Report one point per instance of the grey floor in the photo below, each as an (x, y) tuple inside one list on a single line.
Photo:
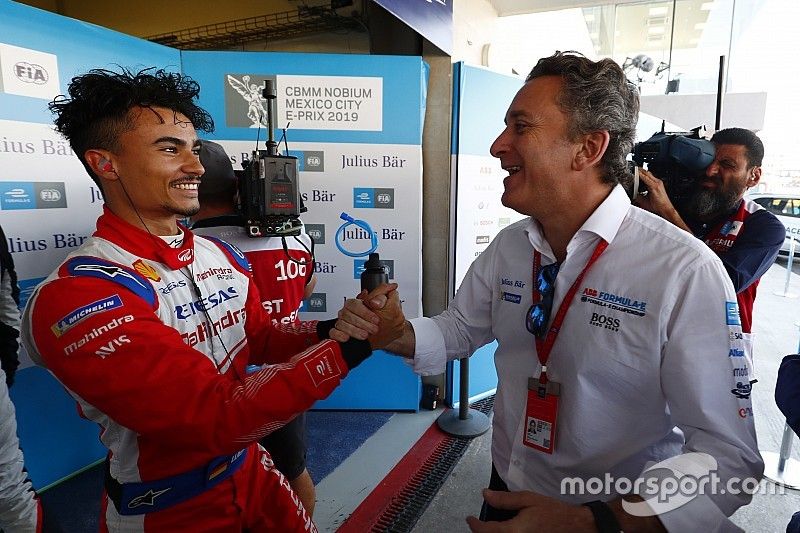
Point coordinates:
[(775, 322)]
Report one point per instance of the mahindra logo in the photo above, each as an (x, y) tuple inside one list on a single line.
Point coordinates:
[(50, 195), (31, 73), (186, 255)]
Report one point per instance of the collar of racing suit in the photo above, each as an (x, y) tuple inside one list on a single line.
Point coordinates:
[(145, 244)]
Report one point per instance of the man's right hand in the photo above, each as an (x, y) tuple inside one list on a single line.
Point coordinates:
[(376, 316), (657, 201)]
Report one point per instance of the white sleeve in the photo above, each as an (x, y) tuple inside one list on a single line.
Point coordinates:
[(18, 507), (706, 381), (9, 312), (464, 326)]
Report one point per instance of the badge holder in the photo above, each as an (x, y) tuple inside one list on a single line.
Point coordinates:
[(541, 415)]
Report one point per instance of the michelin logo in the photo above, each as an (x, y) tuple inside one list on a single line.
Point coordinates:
[(77, 315)]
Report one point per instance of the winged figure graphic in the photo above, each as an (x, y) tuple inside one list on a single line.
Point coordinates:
[(251, 93)]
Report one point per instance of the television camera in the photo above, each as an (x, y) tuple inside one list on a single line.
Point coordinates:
[(679, 159), (269, 188)]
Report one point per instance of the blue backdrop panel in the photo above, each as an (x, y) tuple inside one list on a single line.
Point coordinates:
[(56, 441), (480, 100), (382, 382), (482, 375), (79, 47)]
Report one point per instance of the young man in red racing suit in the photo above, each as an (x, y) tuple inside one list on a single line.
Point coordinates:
[(150, 329)]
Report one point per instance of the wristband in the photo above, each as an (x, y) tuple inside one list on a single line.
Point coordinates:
[(604, 517)]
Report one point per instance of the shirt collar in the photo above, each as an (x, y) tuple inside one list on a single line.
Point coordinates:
[(142, 243), (604, 222)]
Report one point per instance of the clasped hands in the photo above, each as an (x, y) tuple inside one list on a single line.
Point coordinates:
[(376, 316)]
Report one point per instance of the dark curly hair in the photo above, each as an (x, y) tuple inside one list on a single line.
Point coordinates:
[(596, 96), (96, 112)]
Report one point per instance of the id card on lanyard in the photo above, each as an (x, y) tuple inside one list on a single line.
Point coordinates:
[(541, 412)]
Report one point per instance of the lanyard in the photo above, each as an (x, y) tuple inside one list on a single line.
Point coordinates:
[(545, 346)]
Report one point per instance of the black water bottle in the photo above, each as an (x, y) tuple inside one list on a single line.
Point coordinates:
[(374, 273)]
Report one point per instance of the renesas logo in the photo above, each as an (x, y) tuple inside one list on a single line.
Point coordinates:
[(316, 303), (316, 232), (309, 160), (187, 310), (358, 267), (373, 198), (614, 302), (27, 72), (32, 195)]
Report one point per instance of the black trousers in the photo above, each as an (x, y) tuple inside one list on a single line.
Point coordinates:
[(493, 514)]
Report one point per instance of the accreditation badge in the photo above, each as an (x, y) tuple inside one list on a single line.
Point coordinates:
[(541, 415)]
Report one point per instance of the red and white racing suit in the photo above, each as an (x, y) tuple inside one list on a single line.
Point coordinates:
[(152, 342)]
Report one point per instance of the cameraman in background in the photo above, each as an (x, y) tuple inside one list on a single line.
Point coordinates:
[(281, 292), (744, 235)]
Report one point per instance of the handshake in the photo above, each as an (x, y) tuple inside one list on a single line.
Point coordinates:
[(376, 316)]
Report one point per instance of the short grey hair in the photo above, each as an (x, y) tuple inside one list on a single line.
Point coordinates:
[(596, 96)]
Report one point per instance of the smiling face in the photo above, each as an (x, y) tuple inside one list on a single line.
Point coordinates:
[(535, 148), (727, 179), (156, 169)]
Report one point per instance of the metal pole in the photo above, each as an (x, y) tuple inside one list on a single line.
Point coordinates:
[(463, 392), (720, 92), (786, 293), (780, 468), (465, 422), (786, 447)]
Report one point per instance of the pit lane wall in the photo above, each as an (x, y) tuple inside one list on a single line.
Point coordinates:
[(361, 155)]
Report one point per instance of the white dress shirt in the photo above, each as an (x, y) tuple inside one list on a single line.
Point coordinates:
[(648, 357)]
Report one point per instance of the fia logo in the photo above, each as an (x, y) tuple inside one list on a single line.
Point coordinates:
[(316, 232), (31, 73), (50, 195)]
